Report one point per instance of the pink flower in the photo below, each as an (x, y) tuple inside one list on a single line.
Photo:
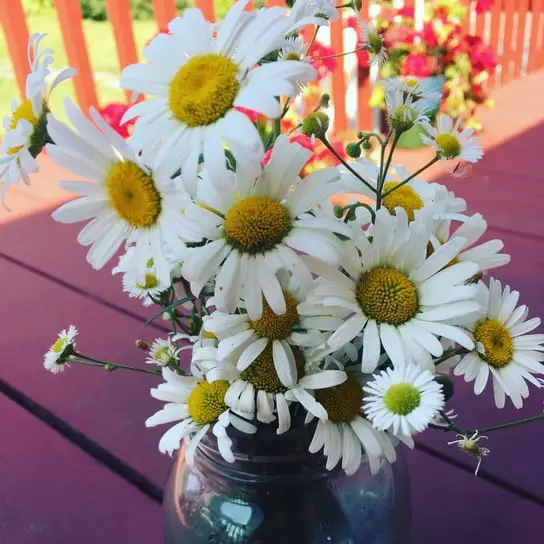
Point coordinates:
[(323, 66), (113, 113), (484, 5), (418, 65)]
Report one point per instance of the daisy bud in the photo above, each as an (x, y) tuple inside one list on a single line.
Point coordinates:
[(316, 124), (324, 100), (367, 145), (353, 150), (338, 212), (143, 345), (447, 386)]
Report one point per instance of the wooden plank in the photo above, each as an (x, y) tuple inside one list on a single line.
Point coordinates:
[(53, 493), (496, 14), (439, 490), (508, 52), (364, 86), (535, 42), (480, 25), (208, 9), (165, 11), (523, 10), (121, 20), (12, 17), (270, 3), (70, 20), (338, 78), (110, 408)]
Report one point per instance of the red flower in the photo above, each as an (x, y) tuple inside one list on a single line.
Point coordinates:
[(323, 66), (484, 5), (254, 116), (112, 114), (428, 35), (406, 11), (482, 56), (418, 65)]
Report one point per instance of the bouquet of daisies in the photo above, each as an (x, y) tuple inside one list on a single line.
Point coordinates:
[(284, 307)]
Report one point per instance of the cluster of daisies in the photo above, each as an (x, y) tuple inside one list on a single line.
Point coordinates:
[(286, 310)]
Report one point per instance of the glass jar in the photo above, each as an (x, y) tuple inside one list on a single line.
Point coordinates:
[(276, 492)]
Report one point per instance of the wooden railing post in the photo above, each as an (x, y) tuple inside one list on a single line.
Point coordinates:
[(364, 86), (165, 11), (120, 16), (208, 9), (338, 78), (70, 20), (12, 17)]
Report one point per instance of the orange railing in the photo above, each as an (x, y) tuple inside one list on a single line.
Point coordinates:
[(515, 28)]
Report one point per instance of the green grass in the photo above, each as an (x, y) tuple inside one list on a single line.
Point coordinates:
[(103, 57)]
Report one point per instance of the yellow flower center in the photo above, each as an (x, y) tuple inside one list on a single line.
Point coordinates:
[(59, 345), (262, 374), (497, 343), (387, 296), (468, 445), (277, 327), (207, 401), (403, 197), (133, 194), (402, 398), (411, 82), (203, 90), (292, 55), (151, 281), (257, 224), (23, 111), (448, 145), (342, 402)]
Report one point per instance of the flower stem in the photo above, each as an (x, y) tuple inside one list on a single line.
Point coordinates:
[(337, 155), (422, 169), (81, 359), (509, 424)]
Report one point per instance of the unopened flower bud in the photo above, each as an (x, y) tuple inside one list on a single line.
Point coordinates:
[(353, 150), (447, 386), (324, 100), (367, 145), (338, 211), (316, 124)]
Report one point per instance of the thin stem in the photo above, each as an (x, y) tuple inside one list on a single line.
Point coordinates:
[(337, 155), (448, 354), (336, 55), (422, 169), (509, 424), (313, 39), (80, 359), (379, 183)]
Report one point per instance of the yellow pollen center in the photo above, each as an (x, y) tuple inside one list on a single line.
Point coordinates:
[(292, 55), (403, 197), (261, 373), (207, 401), (151, 281), (133, 194), (449, 146), (277, 327), (203, 90), (257, 224), (469, 446), (387, 296), (59, 345), (497, 343), (342, 402), (411, 82), (23, 111), (402, 398)]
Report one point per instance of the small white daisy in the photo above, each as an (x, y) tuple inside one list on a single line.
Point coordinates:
[(196, 405), (125, 200), (450, 141), (374, 43), (345, 435), (396, 296), (163, 352), (197, 81), (26, 131), (503, 348), (404, 111), (403, 400), (420, 89), (55, 359), (486, 255), (255, 228), (244, 339), (469, 444)]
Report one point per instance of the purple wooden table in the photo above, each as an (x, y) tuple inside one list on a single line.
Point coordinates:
[(77, 464)]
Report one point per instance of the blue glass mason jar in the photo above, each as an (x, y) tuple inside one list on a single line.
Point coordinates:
[(276, 492)]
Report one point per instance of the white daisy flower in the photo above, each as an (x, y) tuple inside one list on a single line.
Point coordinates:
[(244, 339), (403, 400), (163, 352), (486, 255), (450, 141), (257, 391), (143, 290), (196, 405), (311, 12), (396, 296), (503, 348), (256, 228), (469, 444), (26, 131), (374, 43), (404, 111), (419, 89), (125, 200), (197, 81), (55, 359), (346, 434)]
